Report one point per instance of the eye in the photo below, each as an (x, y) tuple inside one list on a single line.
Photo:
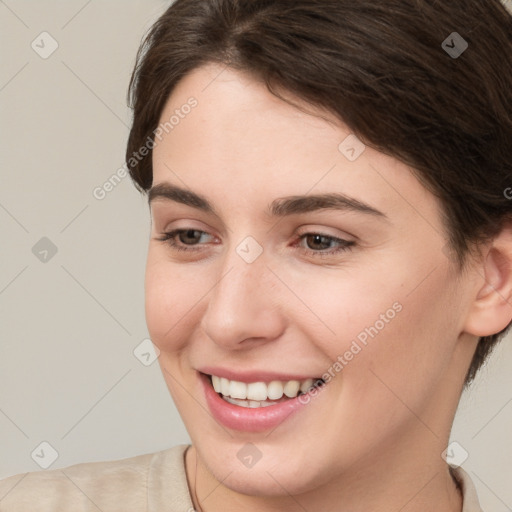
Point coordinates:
[(187, 237), (320, 242)]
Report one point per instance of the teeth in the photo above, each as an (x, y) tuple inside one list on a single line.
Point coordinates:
[(291, 388), (259, 392), (250, 404), (237, 389), (216, 383), (256, 391), (306, 385), (275, 390), (224, 386)]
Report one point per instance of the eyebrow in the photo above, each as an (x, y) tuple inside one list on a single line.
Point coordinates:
[(278, 208)]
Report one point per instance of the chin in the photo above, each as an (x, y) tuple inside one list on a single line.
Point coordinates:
[(276, 475), (264, 482)]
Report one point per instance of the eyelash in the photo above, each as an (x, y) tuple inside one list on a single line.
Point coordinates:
[(346, 245)]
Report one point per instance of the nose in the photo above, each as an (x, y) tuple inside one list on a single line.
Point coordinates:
[(244, 306)]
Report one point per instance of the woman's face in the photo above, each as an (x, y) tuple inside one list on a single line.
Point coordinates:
[(275, 282)]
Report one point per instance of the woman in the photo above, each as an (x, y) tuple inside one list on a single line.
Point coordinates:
[(330, 260)]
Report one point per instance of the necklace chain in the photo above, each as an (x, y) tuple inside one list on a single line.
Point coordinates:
[(200, 509)]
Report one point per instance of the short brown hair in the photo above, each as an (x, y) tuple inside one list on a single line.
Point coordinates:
[(381, 68)]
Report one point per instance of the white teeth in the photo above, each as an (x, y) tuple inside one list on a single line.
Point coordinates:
[(224, 386), (256, 391), (275, 390), (237, 389), (291, 388), (259, 392), (306, 385), (250, 404), (216, 383)]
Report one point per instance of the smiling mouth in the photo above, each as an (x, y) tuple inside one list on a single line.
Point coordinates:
[(261, 394)]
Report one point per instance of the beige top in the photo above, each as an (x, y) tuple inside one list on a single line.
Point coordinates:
[(153, 482)]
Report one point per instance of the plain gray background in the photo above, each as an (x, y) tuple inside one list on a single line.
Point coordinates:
[(70, 321)]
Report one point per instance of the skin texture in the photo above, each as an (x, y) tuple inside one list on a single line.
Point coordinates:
[(373, 438)]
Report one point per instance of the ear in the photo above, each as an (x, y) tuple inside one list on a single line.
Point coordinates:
[(491, 310)]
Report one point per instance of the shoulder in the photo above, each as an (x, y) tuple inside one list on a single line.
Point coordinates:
[(115, 485)]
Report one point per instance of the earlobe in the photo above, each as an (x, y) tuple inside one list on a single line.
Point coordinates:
[(491, 310)]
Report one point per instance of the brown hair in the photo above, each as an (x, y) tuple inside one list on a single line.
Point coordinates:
[(380, 67)]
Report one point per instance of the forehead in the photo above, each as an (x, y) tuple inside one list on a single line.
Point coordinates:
[(238, 126), (240, 141), (236, 117), (240, 91)]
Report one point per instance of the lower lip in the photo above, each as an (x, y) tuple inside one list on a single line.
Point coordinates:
[(257, 419)]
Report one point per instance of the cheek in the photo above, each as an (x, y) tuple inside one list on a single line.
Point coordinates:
[(381, 320), (345, 307), (172, 300), (401, 364)]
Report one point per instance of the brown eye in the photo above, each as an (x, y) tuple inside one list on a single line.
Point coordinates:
[(183, 239), (321, 245), (189, 236), (315, 241)]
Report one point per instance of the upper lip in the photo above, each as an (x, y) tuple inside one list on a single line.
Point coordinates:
[(254, 375)]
